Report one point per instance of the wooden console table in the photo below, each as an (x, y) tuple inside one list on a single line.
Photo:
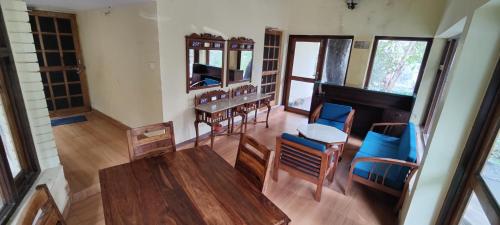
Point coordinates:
[(215, 109)]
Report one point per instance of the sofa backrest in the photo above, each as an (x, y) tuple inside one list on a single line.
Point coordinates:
[(335, 112), (408, 144)]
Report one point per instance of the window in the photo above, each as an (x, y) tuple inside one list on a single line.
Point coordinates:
[(18, 163), (397, 64), (439, 83)]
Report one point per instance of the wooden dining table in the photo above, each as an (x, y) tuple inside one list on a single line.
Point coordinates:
[(192, 186)]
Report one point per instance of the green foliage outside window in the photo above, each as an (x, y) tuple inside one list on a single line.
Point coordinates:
[(396, 66)]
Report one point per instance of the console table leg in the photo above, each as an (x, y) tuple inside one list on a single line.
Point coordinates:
[(212, 136), (267, 116), (197, 134)]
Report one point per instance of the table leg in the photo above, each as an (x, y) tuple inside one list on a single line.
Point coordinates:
[(196, 123), (268, 111), (212, 136)]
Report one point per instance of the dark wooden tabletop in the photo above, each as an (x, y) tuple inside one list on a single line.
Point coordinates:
[(193, 186)]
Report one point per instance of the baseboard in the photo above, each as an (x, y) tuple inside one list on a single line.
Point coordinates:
[(66, 210), (111, 119)]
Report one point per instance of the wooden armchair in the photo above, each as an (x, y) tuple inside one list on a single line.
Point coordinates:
[(253, 160), (305, 159), (385, 162), (151, 140), (245, 109), (42, 202), (341, 116)]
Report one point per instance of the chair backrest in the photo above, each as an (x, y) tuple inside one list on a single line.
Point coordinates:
[(151, 140), (210, 96), (243, 90), (252, 160), (335, 112), (42, 210), (301, 154)]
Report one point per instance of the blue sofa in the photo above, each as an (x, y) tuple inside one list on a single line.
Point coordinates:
[(335, 115), (386, 162)]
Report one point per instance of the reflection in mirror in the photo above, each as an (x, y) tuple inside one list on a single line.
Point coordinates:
[(205, 56), (240, 60)]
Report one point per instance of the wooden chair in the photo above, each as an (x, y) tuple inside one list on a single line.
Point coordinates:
[(305, 159), (253, 160), (245, 109), (42, 202), (151, 140)]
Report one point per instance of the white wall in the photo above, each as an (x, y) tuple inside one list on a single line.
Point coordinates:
[(477, 54), (238, 18), (121, 56), (19, 33)]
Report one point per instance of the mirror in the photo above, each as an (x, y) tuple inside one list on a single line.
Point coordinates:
[(239, 60), (205, 61)]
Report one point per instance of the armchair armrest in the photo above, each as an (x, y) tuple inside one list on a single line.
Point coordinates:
[(386, 161), (348, 122), (387, 126), (315, 114)]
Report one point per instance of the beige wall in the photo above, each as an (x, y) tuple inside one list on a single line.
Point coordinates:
[(477, 54), (121, 56), (237, 18)]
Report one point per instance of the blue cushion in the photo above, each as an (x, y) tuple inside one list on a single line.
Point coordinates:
[(408, 144), (331, 123), (209, 81), (305, 142), (392, 179), (335, 112)]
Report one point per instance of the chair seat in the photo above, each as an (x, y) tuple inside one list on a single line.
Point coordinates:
[(394, 179), (331, 123), (379, 145)]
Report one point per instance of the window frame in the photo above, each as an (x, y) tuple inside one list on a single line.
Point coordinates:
[(439, 84), (13, 189), (396, 38)]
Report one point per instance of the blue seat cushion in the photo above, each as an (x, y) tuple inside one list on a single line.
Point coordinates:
[(379, 145), (305, 142), (209, 81), (393, 179), (335, 112), (331, 123)]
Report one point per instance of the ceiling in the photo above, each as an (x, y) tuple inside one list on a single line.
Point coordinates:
[(79, 5)]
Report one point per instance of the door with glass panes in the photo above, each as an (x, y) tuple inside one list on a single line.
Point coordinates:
[(61, 65)]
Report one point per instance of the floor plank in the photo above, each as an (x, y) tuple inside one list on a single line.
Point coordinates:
[(86, 147)]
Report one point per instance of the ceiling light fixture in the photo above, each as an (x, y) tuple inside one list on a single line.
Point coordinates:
[(351, 4)]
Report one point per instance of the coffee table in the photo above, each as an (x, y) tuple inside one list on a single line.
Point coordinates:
[(322, 133)]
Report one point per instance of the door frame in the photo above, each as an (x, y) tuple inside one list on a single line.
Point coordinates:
[(321, 60), (473, 158), (79, 57)]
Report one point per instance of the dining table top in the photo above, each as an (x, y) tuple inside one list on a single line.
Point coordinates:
[(191, 186), (229, 103)]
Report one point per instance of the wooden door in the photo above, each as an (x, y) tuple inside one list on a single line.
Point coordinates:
[(61, 64), (271, 65), (304, 63)]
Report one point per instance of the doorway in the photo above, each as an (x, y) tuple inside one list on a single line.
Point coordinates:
[(314, 59), (60, 60)]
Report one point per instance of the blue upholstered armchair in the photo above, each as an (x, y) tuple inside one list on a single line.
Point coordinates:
[(385, 162), (305, 159), (335, 115)]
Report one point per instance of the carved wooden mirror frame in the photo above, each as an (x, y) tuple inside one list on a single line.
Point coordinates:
[(239, 44), (206, 42)]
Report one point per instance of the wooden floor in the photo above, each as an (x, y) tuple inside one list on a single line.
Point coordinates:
[(86, 147)]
